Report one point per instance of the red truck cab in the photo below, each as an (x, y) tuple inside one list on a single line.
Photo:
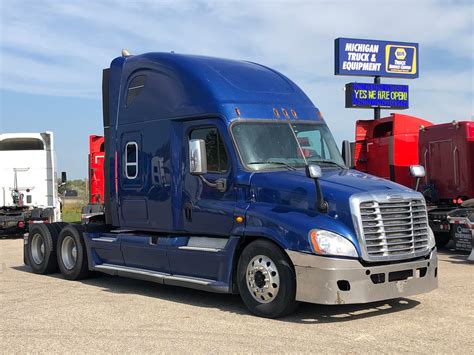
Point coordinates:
[(386, 147), (96, 169), (94, 211)]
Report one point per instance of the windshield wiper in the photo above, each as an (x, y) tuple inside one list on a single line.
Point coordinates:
[(272, 162), (327, 162)]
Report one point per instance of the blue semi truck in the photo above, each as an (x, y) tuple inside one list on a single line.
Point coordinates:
[(223, 176)]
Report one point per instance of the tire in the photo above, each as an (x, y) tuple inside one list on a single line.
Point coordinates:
[(263, 264), (41, 249), (442, 239), (59, 226), (72, 254)]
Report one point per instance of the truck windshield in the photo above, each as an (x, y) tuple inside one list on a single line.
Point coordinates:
[(272, 145), (21, 144)]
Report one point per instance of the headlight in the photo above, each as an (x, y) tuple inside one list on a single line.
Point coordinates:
[(431, 239), (329, 243)]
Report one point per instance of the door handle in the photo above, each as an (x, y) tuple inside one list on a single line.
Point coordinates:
[(188, 211)]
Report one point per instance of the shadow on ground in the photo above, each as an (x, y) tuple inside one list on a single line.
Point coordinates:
[(454, 256), (306, 313)]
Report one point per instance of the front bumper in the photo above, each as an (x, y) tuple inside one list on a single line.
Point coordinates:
[(327, 280)]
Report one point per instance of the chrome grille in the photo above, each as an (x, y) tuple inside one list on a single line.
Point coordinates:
[(392, 230)]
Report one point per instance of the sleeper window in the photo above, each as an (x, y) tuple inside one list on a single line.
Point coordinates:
[(131, 160), (135, 88), (215, 151)]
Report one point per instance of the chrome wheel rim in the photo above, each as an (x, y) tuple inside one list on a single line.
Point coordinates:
[(262, 278), (37, 248), (69, 252)]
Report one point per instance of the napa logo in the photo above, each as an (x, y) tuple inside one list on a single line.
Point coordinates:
[(401, 60), (400, 53)]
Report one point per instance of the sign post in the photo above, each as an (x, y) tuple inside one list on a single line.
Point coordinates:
[(377, 109)]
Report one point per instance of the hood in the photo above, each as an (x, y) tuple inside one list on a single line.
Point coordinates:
[(295, 191), (335, 183)]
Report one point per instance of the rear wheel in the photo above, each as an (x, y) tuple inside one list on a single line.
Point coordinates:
[(72, 255), (41, 250), (266, 280), (59, 226)]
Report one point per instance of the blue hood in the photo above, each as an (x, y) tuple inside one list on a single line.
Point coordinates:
[(286, 200), (295, 189)]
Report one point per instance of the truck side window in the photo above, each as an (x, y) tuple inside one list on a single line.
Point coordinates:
[(21, 144), (131, 160), (215, 150), (135, 88), (383, 130)]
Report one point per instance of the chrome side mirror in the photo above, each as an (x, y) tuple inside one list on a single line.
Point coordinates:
[(417, 171), (197, 157), (314, 171)]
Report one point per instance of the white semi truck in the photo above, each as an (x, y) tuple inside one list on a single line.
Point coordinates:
[(28, 187)]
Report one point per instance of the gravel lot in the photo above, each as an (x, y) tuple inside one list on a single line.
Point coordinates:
[(109, 314)]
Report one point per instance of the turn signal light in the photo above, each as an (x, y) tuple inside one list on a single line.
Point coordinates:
[(314, 242)]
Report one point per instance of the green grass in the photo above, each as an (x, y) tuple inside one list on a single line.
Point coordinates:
[(71, 213)]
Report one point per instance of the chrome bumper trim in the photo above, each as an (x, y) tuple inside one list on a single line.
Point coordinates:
[(317, 279)]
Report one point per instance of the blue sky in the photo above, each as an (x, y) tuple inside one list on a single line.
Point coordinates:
[(53, 51)]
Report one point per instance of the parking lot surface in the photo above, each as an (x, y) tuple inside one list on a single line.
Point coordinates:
[(110, 314)]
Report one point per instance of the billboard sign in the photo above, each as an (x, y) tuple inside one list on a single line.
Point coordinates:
[(366, 57), (365, 95)]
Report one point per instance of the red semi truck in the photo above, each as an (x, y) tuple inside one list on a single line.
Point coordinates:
[(94, 211), (388, 146)]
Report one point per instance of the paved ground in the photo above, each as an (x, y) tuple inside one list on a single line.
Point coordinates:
[(109, 314)]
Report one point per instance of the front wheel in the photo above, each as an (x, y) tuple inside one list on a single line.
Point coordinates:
[(266, 280)]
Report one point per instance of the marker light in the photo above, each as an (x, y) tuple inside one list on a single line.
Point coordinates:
[(328, 243), (285, 113), (276, 113)]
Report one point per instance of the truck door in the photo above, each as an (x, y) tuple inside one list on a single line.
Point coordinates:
[(206, 210), (133, 204)]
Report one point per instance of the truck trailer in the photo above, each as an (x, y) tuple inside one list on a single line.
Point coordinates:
[(388, 146), (28, 187), (222, 175)]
